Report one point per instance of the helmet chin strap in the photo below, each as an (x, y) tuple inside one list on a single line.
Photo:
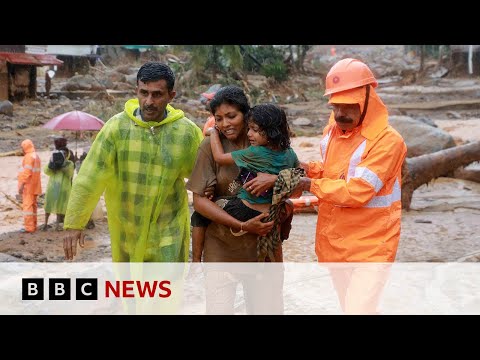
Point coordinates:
[(364, 112)]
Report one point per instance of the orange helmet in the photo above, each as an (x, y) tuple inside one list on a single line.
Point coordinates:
[(348, 74)]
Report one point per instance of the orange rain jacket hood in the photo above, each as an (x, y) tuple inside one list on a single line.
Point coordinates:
[(358, 184)]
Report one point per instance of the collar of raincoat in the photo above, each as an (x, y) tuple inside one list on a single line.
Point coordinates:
[(376, 118), (172, 114), (27, 146)]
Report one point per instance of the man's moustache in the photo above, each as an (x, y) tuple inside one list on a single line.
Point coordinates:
[(343, 119)]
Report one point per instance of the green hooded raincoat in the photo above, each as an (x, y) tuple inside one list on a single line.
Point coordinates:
[(141, 166)]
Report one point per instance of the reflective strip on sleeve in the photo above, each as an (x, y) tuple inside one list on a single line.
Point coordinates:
[(386, 200), (369, 176), (323, 146), (355, 159)]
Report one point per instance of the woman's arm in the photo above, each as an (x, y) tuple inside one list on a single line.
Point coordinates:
[(217, 149), (212, 211)]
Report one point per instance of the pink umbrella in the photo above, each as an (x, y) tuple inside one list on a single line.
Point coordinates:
[(75, 121)]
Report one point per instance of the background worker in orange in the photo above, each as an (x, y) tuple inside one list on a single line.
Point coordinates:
[(29, 185), (210, 123), (358, 177)]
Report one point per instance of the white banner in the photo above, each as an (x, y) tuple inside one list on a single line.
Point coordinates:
[(239, 288)]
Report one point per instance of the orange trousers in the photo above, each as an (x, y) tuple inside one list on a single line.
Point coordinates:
[(359, 286), (30, 212)]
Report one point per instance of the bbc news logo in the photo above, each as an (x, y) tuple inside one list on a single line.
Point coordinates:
[(87, 289), (59, 289)]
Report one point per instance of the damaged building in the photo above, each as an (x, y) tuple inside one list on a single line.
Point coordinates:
[(18, 71)]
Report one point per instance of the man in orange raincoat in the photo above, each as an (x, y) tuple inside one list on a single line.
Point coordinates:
[(29, 185), (357, 181)]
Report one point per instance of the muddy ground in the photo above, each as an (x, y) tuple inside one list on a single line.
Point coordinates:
[(441, 226)]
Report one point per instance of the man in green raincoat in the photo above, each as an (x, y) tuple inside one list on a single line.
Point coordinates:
[(140, 159)]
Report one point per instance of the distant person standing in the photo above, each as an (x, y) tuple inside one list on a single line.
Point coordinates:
[(60, 172), (29, 185), (49, 74), (210, 123)]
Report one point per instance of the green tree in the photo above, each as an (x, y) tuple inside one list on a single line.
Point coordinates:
[(225, 59)]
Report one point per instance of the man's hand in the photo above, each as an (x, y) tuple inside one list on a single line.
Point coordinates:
[(256, 226), (304, 166), (303, 185), (70, 242)]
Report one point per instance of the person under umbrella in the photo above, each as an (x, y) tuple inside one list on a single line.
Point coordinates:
[(75, 120), (60, 171), (60, 143)]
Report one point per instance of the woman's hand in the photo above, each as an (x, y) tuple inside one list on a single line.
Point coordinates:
[(209, 192), (261, 183), (256, 226)]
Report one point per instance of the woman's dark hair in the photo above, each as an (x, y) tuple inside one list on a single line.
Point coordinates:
[(272, 122), (232, 95), (154, 71)]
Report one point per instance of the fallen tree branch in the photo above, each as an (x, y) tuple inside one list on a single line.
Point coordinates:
[(422, 169), (13, 200), (12, 153), (467, 174)]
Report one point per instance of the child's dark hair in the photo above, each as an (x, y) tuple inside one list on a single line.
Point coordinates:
[(272, 121), (154, 71), (232, 95)]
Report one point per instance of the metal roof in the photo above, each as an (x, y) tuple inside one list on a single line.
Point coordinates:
[(30, 59)]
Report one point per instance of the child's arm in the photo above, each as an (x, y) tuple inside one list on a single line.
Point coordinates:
[(217, 150)]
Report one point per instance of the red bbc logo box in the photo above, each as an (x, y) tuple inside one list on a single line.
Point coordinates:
[(59, 289)]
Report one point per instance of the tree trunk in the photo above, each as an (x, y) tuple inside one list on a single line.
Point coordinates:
[(215, 61), (470, 175), (12, 153), (422, 57), (423, 169)]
